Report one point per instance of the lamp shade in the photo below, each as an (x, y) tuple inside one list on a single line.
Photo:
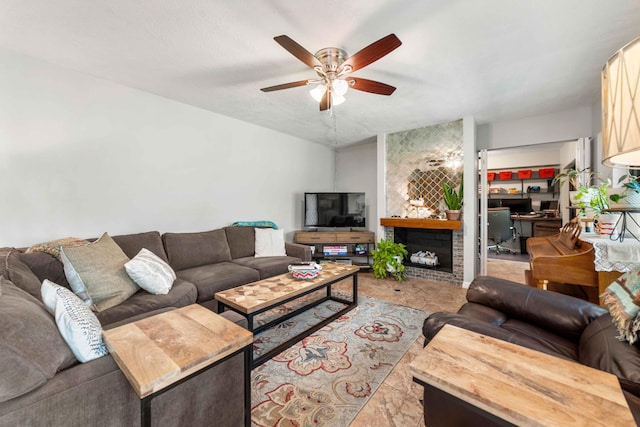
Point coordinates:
[(621, 108), (318, 92)]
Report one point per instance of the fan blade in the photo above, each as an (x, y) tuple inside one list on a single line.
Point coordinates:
[(298, 51), (372, 53), (325, 102), (370, 86), (285, 86)]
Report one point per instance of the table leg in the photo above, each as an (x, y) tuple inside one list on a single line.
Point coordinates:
[(542, 284), (355, 288), (250, 322), (145, 411), (248, 350)]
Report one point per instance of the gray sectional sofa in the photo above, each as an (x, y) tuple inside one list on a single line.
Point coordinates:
[(42, 383)]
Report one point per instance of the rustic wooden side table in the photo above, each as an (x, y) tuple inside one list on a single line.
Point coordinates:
[(514, 385), (162, 351)]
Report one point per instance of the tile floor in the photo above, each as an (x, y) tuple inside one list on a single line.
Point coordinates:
[(397, 402)]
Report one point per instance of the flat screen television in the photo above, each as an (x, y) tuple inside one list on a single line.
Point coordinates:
[(334, 210)]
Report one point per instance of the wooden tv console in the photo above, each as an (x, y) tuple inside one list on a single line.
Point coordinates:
[(350, 239)]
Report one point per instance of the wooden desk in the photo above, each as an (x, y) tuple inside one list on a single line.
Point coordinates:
[(160, 352), (516, 385), (537, 225)]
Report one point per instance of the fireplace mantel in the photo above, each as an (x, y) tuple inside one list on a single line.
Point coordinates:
[(434, 224)]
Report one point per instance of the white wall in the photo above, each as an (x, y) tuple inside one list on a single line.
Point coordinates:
[(356, 172), (81, 155), (558, 126)]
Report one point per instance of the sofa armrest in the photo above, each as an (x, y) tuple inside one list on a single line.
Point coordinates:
[(297, 250), (436, 321), (563, 314)]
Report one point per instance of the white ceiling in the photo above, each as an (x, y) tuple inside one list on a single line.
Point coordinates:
[(493, 59)]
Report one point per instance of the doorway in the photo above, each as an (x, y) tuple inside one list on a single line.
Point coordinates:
[(519, 176)]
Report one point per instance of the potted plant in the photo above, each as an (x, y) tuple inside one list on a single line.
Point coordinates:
[(387, 260), (629, 194), (588, 190), (453, 199)]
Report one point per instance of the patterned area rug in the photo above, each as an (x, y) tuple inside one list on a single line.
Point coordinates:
[(325, 379)]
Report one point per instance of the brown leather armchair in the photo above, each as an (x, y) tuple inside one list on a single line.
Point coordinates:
[(549, 322)]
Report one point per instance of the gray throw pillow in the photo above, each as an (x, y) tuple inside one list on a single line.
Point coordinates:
[(31, 348), (20, 274), (96, 273)]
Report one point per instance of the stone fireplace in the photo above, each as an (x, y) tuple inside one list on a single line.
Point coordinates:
[(443, 237), (417, 163)]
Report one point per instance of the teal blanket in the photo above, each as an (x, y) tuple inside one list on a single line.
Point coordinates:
[(255, 224)]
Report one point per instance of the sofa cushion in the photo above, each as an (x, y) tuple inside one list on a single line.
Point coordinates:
[(31, 348), (268, 266), (220, 276), (555, 344), (600, 348), (132, 243), (150, 272), (19, 273), (77, 324), (96, 273), (547, 310), (269, 242), (242, 241), (182, 293), (45, 266), (188, 250)]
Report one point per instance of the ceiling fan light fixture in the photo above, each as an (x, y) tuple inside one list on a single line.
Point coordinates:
[(317, 92), (340, 87), (338, 99)]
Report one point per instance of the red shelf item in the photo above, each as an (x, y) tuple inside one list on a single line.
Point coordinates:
[(524, 174), (546, 172), (504, 175), (491, 176)]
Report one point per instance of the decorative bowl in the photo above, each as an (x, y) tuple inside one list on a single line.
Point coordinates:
[(304, 274)]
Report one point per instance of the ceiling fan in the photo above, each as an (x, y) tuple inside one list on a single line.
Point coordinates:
[(334, 66)]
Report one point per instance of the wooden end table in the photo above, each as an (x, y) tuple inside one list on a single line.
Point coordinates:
[(162, 351), (258, 297), (513, 385)]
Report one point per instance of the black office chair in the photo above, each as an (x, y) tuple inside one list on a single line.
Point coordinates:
[(500, 230)]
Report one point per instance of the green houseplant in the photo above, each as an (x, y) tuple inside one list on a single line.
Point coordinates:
[(453, 199), (630, 191), (387, 260), (590, 191)]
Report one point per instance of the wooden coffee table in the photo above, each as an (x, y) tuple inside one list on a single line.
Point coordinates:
[(159, 352), (258, 297), (513, 385)]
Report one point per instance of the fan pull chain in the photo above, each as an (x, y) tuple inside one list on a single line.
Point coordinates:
[(332, 112)]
